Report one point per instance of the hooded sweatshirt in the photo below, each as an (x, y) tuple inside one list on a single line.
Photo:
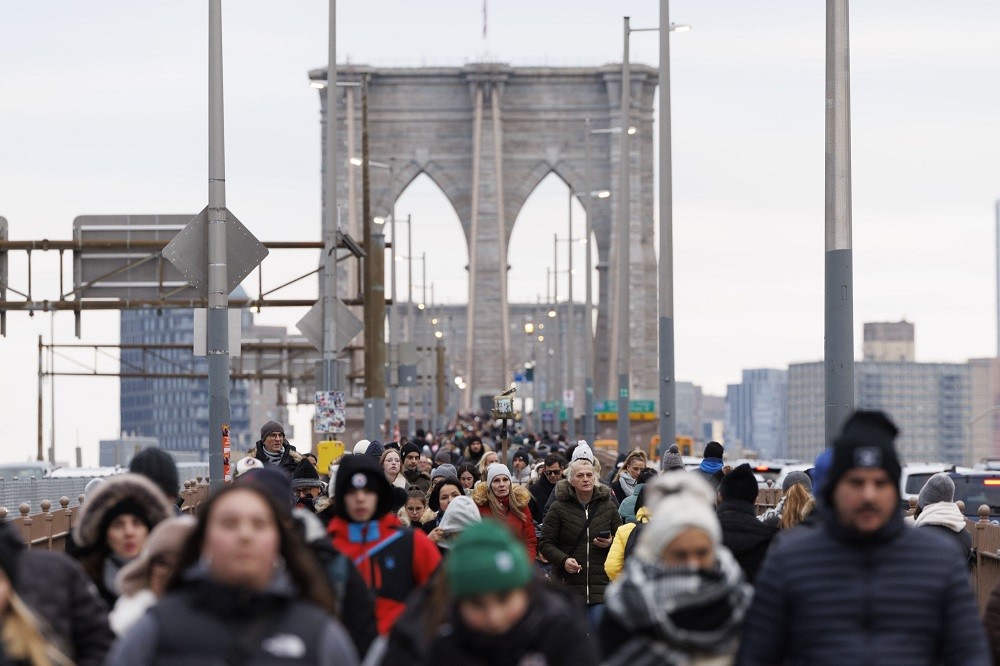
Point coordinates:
[(392, 560), (945, 518), (461, 513)]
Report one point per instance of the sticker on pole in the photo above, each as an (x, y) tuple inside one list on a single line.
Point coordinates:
[(227, 474), (330, 413)]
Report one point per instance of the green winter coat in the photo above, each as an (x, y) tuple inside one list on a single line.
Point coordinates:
[(561, 528)]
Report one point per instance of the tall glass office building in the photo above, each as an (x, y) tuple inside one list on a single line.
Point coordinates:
[(173, 407)]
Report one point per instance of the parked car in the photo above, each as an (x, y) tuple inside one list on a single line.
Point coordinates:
[(975, 488), (25, 470)]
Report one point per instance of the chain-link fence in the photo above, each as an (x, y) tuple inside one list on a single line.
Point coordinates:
[(33, 491)]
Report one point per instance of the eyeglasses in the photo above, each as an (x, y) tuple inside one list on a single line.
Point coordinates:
[(553, 472)]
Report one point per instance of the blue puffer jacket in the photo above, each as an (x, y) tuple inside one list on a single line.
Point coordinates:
[(825, 595)]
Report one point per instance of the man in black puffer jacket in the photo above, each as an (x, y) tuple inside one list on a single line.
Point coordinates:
[(862, 587), (742, 533)]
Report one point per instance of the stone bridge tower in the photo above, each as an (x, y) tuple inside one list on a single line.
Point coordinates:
[(487, 134)]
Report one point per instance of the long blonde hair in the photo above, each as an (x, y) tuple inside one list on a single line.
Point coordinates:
[(482, 461), (798, 504), (22, 636), (637, 454)]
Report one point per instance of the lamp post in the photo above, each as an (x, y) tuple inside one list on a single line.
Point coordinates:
[(330, 379), (374, 291), (667, 421), (588, 425), (839, 281), (668, 392), (623, 226)]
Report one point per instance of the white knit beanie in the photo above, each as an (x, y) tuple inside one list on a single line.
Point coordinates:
[(361, 447), (583, 450), (495, 470), (687, 501)]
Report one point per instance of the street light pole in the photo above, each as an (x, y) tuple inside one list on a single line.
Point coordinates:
[(668, 396), (570, 325), (374, 292), (217, 340), (589, 422), (329, 379), (839, 291), (623, 236), (392, 315)]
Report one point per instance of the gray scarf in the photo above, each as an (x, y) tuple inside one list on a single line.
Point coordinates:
[(112, 565), (673, 613), (627, 483), (273, 458)]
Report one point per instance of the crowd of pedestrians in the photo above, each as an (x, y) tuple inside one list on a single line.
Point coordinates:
[(434, 550)]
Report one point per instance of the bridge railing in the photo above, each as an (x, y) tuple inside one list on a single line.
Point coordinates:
[(50, 529)]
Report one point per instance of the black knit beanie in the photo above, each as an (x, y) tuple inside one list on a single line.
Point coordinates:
[(407, 449), (740, 484), (866, 441), (305, 476), (713, 450), (127, 506), (159, 467)]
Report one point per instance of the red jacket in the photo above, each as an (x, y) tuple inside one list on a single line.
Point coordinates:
[(522, 529), (392, 559)]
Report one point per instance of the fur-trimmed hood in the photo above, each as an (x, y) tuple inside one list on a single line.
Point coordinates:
[(123, 487), (519, 495)]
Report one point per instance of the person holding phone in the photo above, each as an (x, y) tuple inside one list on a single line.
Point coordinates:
[(576, 535)]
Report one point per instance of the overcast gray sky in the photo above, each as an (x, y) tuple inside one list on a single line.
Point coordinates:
[(103, 111)]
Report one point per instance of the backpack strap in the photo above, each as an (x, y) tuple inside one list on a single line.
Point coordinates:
[(633, 538), (378, 547)]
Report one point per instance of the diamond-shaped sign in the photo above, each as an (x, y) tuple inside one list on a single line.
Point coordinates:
[(188, 252), (346, 324)]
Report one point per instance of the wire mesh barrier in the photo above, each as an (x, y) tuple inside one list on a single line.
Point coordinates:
[(51, 526), (33, 491)]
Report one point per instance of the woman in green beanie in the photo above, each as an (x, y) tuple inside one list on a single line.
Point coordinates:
[(500, 614)]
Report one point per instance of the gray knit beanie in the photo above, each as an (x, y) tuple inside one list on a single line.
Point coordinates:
[(796, 477), (269, 427), (672, 459), (939, 488)]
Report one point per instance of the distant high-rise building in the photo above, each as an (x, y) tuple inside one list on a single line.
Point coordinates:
[(889, 341), (699, 416), (984, 418), (929, 402), (755, 412), (121, 451), (688, 409), (173, 408)]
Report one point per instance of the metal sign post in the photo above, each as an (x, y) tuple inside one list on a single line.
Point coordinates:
[(232, 252)]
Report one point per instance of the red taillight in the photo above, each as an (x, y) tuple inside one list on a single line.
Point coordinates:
[(762, 468), (991, 482)]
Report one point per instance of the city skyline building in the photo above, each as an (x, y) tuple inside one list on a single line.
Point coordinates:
[(931, 404), (756, 413), (174, 409), (889, 341)]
